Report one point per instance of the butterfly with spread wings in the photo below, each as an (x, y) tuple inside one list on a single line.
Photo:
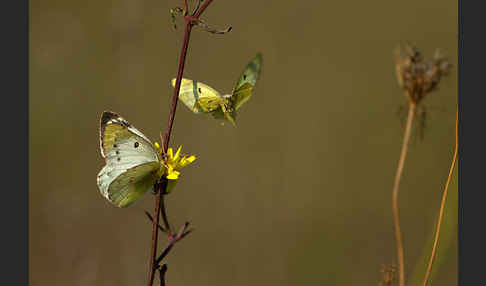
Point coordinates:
[(201, 98)]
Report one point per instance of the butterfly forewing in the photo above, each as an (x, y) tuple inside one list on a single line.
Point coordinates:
[(247, 81), (195, 94)]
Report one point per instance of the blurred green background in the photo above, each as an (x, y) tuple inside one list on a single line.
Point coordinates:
[(298, 193)]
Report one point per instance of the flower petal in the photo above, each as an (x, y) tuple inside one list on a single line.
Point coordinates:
[(186, 161), (169, 153), (191, 159), (157, 146), (176, 156), (173, 175)]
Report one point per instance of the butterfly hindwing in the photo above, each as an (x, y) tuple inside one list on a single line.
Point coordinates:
[(132, 162), (208, 104), (130, 184)]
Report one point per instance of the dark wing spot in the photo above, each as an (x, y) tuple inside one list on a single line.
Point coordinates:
[(199, 89), (114, 145), (117, 152), (118, 159), (244, 76), (136, 144)]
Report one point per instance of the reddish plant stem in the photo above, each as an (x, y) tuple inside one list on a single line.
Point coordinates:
[(162, 270), (158, 199), (164, 214), (175, 97), (203, 7), (155, 235)]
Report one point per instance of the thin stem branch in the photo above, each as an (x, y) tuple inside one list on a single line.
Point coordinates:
[(203, 7), (162, 272), (152, 220), (170, 122), (396, 219), (197, 7), (155, 235), (441, 210), (175, 97), (183, 232), (164, 214)]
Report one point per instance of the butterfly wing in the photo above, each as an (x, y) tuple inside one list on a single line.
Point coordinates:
[(209, 104), (129, 185), (132, 162), (197, 96), (245, 85)]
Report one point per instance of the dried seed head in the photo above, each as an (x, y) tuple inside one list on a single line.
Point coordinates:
[(417, 76)]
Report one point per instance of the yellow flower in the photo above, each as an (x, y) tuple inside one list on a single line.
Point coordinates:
[(175, 162)]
